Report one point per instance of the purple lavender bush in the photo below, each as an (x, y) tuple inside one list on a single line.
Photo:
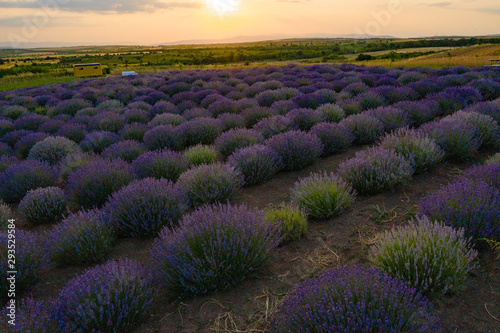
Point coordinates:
[(196, 113), (109, 121), (201, 154), (165, 137), (271, 126), (134, 131), (322, 196), (30, 122), (53, 149), (202, 131), (397, 94), (30, 316), (43, 205), (127, 150), (455, 136), (488, 173), (24, 145), (92, 184), (232, 121), (468, 204), (428, 256), (455, 98), (296, 149), (211, 183), (5, 215), (14, 111), (282, 107), (375, 170), (289, 219), (163, 107), (144, 207), (30, 263), (6, 126), (98, 141), (73, 132), (81, 238), (87, 112), (110, 104), (12, 138), (335, 137), (419, 112), (365, 128), (487, 129), (5, 149), (489, 89), (221, 106), (235, 139), (51, 126), (332, 113), (113, 297), (355, 89), (73, 162), (409, 77), (160, 164), (70, 107), (426, 87), (491, 109), (304, 119), (6, 161), (371, 100), (420, 150), (20, 178), (354, 299), (392, 117), (214, 248), (253, 115), (166, 119), (257, 163), (131, 116)]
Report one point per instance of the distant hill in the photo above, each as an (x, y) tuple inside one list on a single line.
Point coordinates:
[(248, 39)]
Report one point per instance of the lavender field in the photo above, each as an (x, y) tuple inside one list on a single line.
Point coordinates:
[(325, 198)]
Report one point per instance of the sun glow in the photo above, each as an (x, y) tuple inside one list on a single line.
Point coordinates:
[(223, 7)]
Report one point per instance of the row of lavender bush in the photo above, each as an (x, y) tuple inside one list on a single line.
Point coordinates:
[(89, 180), (400, 154)]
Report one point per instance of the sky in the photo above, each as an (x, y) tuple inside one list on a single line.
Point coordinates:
[(147, 22)]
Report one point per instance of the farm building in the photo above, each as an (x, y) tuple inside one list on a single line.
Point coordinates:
[(82, 70)]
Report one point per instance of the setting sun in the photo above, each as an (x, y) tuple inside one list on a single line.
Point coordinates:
[(223, 7)]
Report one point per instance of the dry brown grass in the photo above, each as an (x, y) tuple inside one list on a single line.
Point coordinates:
[(228, 321), (477, 55)]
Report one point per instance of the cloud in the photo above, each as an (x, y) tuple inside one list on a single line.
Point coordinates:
[(493, 11), (123, 6), (441, 4), (15, 21), (22, 21)]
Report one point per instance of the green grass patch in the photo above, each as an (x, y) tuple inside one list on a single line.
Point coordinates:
[(10, 83)]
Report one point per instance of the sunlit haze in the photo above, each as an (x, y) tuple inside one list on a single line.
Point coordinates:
[(160, 21)]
